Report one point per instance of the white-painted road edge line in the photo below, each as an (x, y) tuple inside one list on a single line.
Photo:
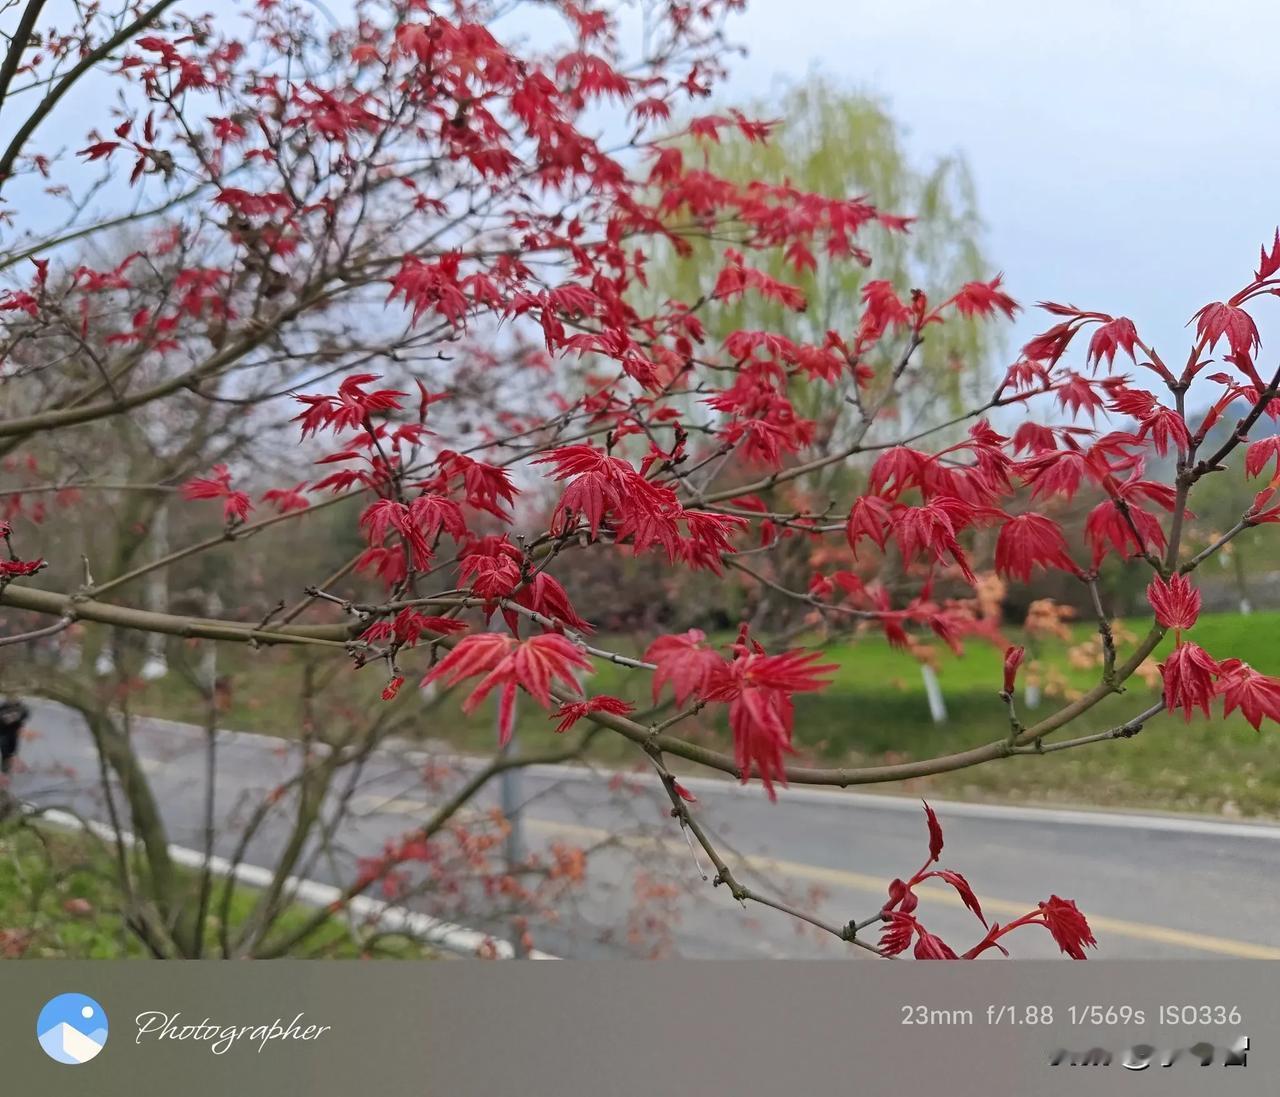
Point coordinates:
[(897, 802), (1135, 820), (387, 916)]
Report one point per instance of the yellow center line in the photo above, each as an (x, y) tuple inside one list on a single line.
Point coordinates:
[(859, 881)]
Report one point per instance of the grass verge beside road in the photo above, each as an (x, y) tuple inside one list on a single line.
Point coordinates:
[(59, 900), (874, 713)]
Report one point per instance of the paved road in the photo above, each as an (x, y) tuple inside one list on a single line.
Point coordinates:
[(1150, 884)]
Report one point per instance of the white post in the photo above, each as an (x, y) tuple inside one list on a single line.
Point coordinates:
[(1225, 559), (933, 690), (156, 664), (512, 802), (1031, 695)]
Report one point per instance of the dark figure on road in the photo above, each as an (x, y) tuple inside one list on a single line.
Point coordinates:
[(13, 714)]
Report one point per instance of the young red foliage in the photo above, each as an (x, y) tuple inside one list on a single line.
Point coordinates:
[(1013, 657), (235, 504), (1061, 917), (1189, 675), (683, 662), (533, 665), (1030, 541), (1256, 695), (1176, 602), (758, 689), (419, 158), (571, 712)]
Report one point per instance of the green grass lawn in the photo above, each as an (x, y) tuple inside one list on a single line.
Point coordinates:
[(59, 899), (875, 712)]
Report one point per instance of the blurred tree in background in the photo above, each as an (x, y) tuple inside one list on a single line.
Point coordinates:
[(845, 143), (842, 143)]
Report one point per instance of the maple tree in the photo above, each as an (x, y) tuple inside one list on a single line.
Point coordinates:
[(419, 249)]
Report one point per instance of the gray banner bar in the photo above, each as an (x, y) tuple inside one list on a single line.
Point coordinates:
[(617, 1029)]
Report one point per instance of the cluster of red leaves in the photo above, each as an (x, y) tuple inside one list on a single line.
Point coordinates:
[(507, 664), (12, 569), (757, 687), (503, 117), (1061, 917), (407, 627), (418, 523), (572, 711), (607, 492), (235, 504), (349, 408), (474, 851), (16, 502), (495, 129), (1192, 677), (955, 497)]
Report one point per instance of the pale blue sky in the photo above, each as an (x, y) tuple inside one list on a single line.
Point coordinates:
[(1125, 152)]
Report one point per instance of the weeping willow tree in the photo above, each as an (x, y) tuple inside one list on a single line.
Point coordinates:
[(842, 143), (845, 144)]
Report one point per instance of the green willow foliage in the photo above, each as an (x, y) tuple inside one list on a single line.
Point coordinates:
[(843, 143)]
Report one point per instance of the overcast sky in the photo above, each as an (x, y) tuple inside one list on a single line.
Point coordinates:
[(1125, 151)]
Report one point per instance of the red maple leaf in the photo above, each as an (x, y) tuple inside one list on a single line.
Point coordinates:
[(684, 662), (985, 298), (10, 569), (1068, 927), (1116, 334), (287, 499), (1218, 319), (896, 470), (1268, 262), (1260, 454), (506, 663), (1189, 675), (349, 408), (1030, 541), (1077, 394), (236, 504), (758, 689), (572, 711), (935, 832), (1176, 602), (931, 531), (1256, 695)]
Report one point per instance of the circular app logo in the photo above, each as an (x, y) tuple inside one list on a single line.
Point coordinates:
[(72, 1028)]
